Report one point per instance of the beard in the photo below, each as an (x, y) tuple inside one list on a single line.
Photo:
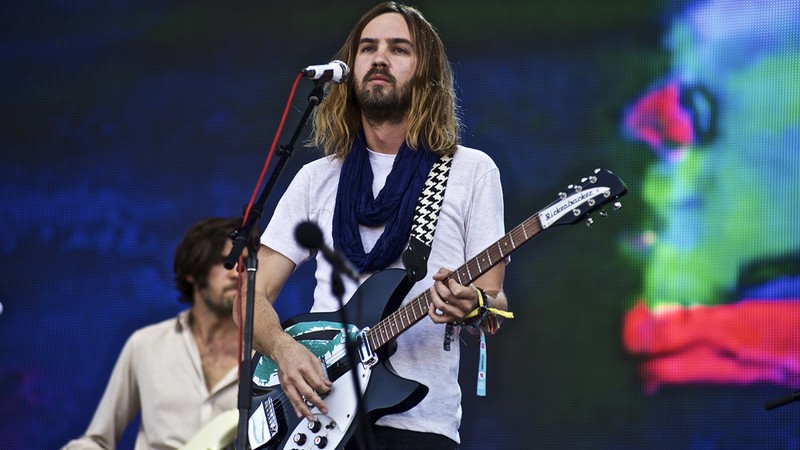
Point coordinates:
[(221, 304), (382, 104)]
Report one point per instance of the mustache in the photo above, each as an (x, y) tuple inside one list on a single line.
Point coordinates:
[(378, 71)]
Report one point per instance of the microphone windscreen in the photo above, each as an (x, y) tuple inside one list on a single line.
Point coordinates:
[(345, 70), (309, 235)]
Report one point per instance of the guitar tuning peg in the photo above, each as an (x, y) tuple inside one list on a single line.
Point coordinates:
[(593, 179), (562, 195), (589, 222), (603, 213), (617, 205)]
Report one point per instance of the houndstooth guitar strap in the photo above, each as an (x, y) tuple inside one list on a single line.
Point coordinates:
[(426, 214)]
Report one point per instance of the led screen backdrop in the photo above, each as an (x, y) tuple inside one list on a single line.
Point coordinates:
[(667, 325)]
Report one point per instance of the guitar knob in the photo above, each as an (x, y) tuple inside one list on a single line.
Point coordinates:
[(320, 441), (314, 426), (299, 438)]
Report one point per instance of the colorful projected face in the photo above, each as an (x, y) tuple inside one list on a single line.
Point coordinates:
[(721, 299)]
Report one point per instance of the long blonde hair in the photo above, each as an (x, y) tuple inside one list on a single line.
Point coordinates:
[(432, 118)]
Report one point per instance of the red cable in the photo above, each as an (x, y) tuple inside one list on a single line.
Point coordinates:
[(247, 213)]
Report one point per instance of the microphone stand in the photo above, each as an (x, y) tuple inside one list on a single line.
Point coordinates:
[(244, 237), (363, 434)]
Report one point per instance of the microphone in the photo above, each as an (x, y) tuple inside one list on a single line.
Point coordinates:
[(309, 236), (335, 71), (772, 404)]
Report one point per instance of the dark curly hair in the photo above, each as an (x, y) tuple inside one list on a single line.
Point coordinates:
[(200, 249)]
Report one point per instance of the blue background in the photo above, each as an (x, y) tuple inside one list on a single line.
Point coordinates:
[(125, 122)]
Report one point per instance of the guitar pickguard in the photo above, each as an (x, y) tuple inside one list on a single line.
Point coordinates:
[(330, 429), (326, 340)]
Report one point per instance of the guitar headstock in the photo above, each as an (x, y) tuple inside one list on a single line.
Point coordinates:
[(594, 192)]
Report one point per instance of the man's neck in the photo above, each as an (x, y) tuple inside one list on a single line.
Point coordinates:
[(385, 137), (217, 341), (208, 326)]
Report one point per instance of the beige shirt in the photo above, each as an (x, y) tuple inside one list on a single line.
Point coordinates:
[(160, 373)]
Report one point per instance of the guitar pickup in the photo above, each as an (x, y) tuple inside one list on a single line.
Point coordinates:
[(324, 366), (365, 353), (263, 424)]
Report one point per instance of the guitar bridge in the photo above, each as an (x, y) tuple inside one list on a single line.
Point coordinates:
[(262, 425), (365, 353)]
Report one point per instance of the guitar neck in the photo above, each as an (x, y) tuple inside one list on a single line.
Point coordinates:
[(598, 189), (400, 320)]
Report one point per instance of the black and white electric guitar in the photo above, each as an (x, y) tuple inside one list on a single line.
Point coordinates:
[(374, 320)]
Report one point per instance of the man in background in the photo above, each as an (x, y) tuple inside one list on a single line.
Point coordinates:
[(182, 372)]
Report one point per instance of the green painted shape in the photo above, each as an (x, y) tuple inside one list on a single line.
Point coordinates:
[(323, 349)]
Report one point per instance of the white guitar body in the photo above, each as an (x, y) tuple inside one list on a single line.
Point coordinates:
[(327, 430), (217, 434)]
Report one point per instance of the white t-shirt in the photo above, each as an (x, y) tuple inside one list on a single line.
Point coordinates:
[(470, 220)]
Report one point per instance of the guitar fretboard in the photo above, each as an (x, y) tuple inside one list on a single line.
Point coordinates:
[(398, 321)]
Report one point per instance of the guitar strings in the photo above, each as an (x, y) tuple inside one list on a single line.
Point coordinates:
[(382, 332)]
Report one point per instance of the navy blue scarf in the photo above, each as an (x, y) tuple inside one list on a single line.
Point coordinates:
[(393, 207)]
